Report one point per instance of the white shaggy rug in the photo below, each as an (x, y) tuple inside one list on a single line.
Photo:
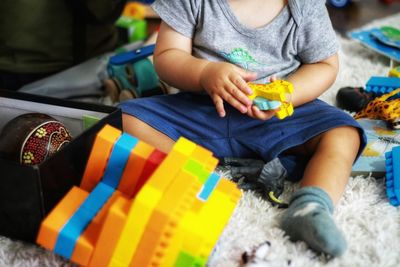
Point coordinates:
[(370, 223)]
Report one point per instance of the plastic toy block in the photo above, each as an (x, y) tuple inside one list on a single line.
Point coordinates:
[(147, 199), (84, 246), (229, 188), (134, 10), (209, 186), (56, 219), (394, 72), (152, 163), (110, 232), (134, 168), (276, 90), (165, 218), (78, 222), (272, 92), (285, 111), (171, 251), (200, 232), (393, 175), (184, 260), (382, 85), (265, 104), (98, 157), (118, 159), (206, 158), (197, 169)]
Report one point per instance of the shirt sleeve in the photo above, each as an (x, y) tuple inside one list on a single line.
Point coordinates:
[(181, 15), (317, 39)]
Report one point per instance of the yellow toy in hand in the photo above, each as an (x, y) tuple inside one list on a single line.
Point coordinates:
[(272, 96)]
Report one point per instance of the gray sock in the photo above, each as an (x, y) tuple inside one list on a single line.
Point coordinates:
[(309, 219)]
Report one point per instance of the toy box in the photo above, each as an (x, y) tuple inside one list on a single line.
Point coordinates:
[(28, 193)]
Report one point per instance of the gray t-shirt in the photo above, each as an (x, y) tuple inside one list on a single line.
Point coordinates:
[(301, 33)]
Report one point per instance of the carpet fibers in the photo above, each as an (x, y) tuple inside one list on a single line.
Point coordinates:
[(370, 224)]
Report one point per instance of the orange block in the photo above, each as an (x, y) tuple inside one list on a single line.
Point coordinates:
[(87, 241), (110, 233), (134, 167), (54, 222), (99, 156)]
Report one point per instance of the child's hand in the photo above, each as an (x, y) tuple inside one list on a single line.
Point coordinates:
[(264, 115), (225, 81)]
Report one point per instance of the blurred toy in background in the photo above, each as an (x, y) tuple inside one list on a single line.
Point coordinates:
[(353, 99), (394, 72), (33, 137), (384, 40), (383, 108), (343, 3), (132, 25), (132, 75)]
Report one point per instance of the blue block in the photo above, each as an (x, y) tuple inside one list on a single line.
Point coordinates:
[(209, 186), (78, 222), (265, 104), (118, 159), (382, 85), (393, 175)]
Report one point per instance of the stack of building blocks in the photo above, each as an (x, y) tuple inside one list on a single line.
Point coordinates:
[(393, 175), (382, 85), (272, 96), (137, 206)]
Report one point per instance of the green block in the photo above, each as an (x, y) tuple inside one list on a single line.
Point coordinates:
[(132, 29), (195, 168), (89, 121), (184, 260)]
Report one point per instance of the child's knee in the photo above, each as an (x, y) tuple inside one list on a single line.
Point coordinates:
[(346, 135)]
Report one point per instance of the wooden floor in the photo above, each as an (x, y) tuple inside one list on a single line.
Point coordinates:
[(360, 12)]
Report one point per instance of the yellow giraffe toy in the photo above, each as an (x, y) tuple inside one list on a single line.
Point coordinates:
[(274, 94), (383, 109)]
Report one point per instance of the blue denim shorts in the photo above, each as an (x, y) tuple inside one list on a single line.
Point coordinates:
[(194, 116)]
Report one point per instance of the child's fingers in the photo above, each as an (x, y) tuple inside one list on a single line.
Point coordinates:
[(247, 76), (241, 84), (238, 94), (273, 78), (233, 101), (262, 114), (219, 105)]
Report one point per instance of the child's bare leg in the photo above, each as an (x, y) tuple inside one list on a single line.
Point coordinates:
[(146, 133), (334, 153), (308, 217)]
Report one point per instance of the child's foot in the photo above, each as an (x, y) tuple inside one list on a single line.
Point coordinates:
[(309, 219)]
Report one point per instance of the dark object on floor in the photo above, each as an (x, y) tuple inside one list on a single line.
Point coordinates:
[(267, 179), (353, 99)]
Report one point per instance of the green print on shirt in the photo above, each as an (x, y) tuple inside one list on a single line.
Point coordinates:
[(241, 57)]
